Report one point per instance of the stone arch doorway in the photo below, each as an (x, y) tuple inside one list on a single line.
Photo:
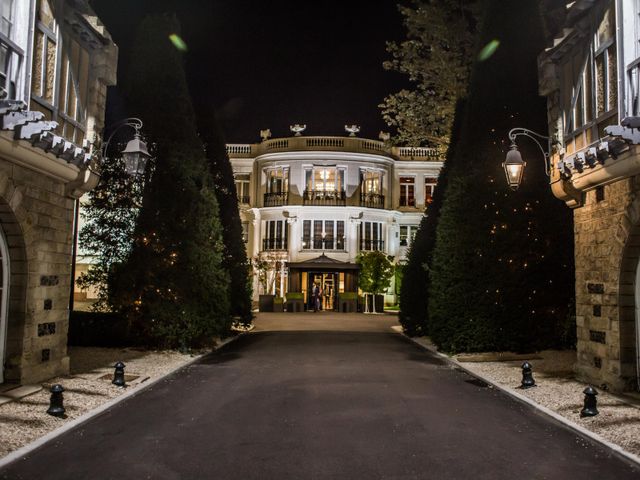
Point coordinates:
[(13, 285), (637, 324), (4, 297), (629, 311)]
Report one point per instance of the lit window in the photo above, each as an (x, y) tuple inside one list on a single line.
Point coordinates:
[(278, 180), (371, 236), (371, 189), (371, 182), (407, 192), (429, 189), (242, 188), (324, 179), (407, 234), (276, 235), (327, 235)]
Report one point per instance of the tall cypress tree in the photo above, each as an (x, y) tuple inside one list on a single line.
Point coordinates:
[(502, 269), (173, 285), (235, 255), (414, 291)]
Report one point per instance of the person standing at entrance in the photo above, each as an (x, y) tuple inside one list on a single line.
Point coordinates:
[(315, 296)]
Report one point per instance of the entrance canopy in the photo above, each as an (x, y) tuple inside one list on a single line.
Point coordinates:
[(323, 263)]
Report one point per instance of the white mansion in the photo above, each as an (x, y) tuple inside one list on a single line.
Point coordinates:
[(310, 204)]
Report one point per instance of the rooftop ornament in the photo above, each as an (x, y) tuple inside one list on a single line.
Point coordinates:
[(352, 129), (265, 134), (297, 129), (514, 165)]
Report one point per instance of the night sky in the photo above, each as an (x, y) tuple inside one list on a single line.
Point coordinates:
[(270, 64)]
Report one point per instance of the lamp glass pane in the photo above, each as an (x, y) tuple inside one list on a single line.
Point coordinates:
[(514, 173), (135, 163)]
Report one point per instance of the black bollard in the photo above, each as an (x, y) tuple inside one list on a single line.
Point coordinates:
[(527, 376), (118, 375), (590, 402), (56, 407)]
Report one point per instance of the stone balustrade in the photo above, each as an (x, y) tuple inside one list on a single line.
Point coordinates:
[(346, 144)]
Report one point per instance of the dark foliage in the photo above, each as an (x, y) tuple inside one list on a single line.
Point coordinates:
[(234, 258), (173, 286), (109, 215), (414, 291), (502, 269), (99, 329)]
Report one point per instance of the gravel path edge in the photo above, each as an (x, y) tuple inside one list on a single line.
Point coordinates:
[(23, 451), (615, 449)]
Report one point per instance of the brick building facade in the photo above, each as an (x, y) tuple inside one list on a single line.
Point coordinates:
[(589, 75), (58, 61)]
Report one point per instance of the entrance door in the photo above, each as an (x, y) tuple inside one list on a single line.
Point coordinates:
[(4, 295), (328, 282)]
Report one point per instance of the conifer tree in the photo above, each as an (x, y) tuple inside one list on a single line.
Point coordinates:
[(502, 269), (414, 291), (235, 255), (173, 285)]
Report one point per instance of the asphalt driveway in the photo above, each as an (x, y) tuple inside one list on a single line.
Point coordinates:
[(321, 404)]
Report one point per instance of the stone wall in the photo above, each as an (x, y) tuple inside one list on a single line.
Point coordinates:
[(36, 217), (607, 250)]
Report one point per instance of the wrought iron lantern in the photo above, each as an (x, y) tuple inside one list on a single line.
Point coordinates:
[(135, 156), (514, 167)]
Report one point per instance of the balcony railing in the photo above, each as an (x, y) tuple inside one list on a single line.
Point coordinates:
[(319, 243), (323, 143), (244, 199), (276, 199), (372, 200), (324, 197), (277, 243), (372, 245)]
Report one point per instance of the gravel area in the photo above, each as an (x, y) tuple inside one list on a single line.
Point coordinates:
[(558, 390), (25, 420)]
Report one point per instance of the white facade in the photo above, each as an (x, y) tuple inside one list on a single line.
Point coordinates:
[(303, 197)]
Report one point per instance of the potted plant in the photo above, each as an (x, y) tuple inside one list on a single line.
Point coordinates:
[(278, 304), (295, 302), (264, 267), (348, 301)]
